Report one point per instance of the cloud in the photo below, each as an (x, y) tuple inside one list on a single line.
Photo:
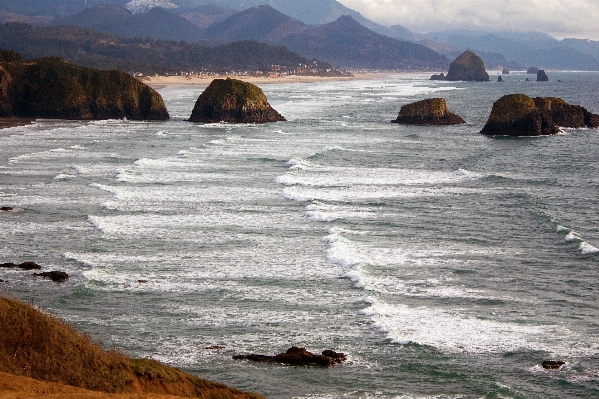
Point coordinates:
[(561, 18)]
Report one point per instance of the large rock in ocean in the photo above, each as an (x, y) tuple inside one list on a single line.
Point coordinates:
[(53, 88), (432, 111), (232, 100), (468, 67), (542, 76), (533, 70), (520, 115)]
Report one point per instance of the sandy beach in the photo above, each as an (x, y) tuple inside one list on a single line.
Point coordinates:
[(157, 81)]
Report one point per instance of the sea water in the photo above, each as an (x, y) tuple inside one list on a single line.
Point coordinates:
[(444, 263)]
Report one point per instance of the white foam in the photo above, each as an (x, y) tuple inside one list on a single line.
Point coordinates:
[(64, 176), (588, 249), (454, 331), (571, 236)]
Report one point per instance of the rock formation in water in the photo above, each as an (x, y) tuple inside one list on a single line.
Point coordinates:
[(54, 275), (432, 111), (468, 67), (440, 76), (500, 79), (232, 100), (520, 115), (298, 357), (52, 88), (533, 70), (542, 76), (505, 71), (552, 364)]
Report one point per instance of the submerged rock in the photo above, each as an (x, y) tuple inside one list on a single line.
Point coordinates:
[(520, 115), (55, 275), (552, 364), (232, 100), (52, 88), (432, 111), (542, 76), (298, 357), (468, 67)]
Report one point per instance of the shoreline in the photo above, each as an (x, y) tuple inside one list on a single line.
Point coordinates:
[(161, 81), (14, 122)]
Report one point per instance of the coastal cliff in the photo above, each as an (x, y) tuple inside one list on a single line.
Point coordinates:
[(53, 88), (232, 100)]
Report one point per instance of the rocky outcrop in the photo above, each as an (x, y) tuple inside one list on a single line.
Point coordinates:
[(505, 71), (468, 67), (232, 100), (500, 79), (552, 364), (542, 76), (440, 76), (533, 70), (7, 209), (432, 111), (298, 357), (520, 115), (24, 265), (53, 88), (55, 275)]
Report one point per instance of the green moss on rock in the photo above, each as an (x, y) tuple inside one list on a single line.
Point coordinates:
[(52, 88), (232, 100), (468, 67), (432, 111), (521, 115)]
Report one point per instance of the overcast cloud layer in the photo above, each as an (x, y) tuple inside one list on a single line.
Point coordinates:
[(560, 18)]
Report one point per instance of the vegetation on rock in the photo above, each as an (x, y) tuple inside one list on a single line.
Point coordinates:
[(520, 115), (467, 67), (35, 345), (432, 111), (232, 100), (52, 88)]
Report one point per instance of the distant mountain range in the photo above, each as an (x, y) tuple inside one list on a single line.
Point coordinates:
[(306, 26), (344, 42)]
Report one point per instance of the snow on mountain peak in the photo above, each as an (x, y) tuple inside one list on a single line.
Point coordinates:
[(139, 6)]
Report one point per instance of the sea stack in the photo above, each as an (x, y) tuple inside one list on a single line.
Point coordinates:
[(521, 115), (468, 67), (432, 111), (533, 70), (232, 100), (542, 76), (53, 88)]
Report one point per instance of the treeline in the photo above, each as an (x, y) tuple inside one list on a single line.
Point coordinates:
[(105, 51)]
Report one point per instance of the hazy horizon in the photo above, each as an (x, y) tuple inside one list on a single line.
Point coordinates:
[(574, 19)]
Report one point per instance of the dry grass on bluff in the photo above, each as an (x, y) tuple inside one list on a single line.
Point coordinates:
[(42, 347)]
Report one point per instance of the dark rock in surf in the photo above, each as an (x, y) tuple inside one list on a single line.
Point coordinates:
[(468, 67), (520, 115), (500, 79), (298, 357), (6, 209), (542, 76), (552, 364), (55, 275), (432, 111), (440, 76), (505, 71), (29, 266), (232, 100), (532, 70)]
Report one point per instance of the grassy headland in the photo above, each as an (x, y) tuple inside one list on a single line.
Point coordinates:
[(36, 346)]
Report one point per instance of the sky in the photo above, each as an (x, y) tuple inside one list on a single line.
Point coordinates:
[(559, 18)]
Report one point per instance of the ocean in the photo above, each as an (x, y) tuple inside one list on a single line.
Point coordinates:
[(443, 263)]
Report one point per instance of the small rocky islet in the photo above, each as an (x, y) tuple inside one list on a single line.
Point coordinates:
[(431, 111), (52, 88), (521, 115), (235, 101)]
